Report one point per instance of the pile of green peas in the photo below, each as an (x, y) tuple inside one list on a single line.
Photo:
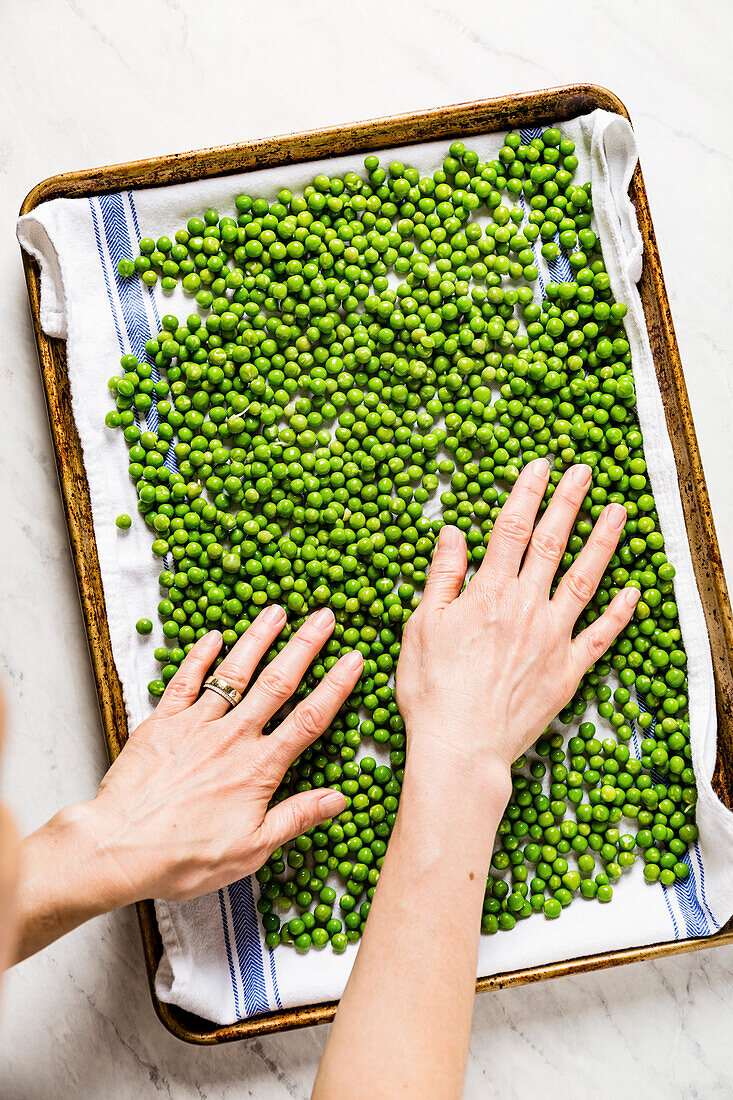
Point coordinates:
[(364, 356)]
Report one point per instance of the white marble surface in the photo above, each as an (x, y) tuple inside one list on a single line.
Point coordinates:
[(86, 83)]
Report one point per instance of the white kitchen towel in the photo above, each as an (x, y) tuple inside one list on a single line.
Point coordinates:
[(215, 962)]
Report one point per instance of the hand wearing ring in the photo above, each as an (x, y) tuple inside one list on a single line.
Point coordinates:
[(200, 772)]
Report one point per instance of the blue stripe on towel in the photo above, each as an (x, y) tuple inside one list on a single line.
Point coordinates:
[(129, 297), (274, 978), (128, 304), (560, 269), (537, 259), (249, 948), (696, 923), (103, 262), (228, 948), (715, 924), (273, 971), (129, 291), (695, 912), (149, 289), (122, 338), (529, 135), (170, 459)]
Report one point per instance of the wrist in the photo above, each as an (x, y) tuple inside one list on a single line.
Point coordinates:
[(66, 878), (448, 817), (95, 840), (450, 791), (76, 843), (444, 761)]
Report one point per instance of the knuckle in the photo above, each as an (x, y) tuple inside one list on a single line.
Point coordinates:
[(293, 817), (257, 634), (580, 585), (255, 629), (547, 544), (234, 670), (276, 683), (615, 618), (179, 687), (529, 496), (261, 850), (309, 718), (606, 543), (596, 646), (514, 528), (335, 685), (306, 638)]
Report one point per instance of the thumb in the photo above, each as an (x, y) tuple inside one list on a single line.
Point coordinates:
[(447, 570), (300, 813)]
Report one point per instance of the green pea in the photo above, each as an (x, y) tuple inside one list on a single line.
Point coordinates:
[(366, 356)]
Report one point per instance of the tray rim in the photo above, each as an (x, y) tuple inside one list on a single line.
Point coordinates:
[(473, 117)]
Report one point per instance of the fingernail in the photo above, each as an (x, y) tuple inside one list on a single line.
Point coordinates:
[(272, 614), (631, 596), (540, 467), (353, 660), (581, 474), (616, 516), (331, 803), (450, 538), (215, 636), (323, 618)]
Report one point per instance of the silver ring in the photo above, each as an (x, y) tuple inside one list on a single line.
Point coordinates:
[(226, 690)]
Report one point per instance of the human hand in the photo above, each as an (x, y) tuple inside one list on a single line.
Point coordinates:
[(184, 808), (482, 672)]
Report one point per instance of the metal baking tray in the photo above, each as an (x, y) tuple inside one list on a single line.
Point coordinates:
[(525, 110)]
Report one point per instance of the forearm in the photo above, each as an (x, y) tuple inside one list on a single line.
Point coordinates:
[(65, 880), (410, 995)]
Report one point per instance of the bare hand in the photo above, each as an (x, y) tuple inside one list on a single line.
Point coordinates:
[(184, 808), (482, 672)]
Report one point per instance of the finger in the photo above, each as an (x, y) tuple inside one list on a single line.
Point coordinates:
[(447, 569), (590, 645), (278, 681), (241, 661), (183, 689), (550, 536), (298, 814), (313, 716), (583, 577), (513, 527)]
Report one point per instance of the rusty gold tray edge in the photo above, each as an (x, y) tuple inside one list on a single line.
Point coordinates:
[(482, 116)]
